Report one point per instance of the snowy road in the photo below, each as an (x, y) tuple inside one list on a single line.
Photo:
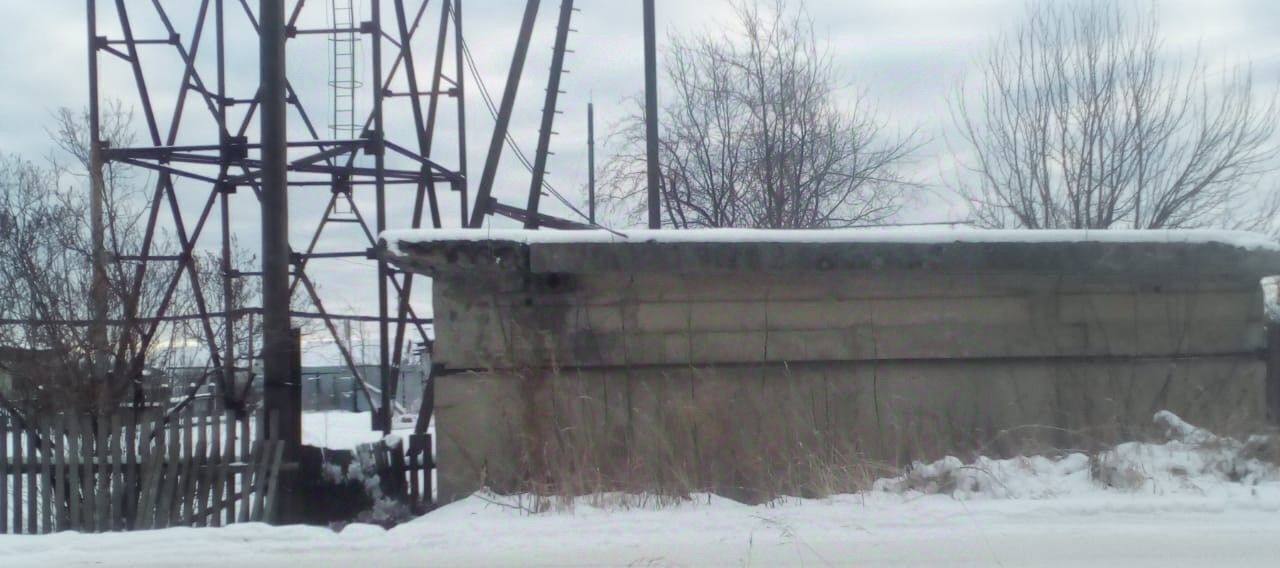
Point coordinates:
[(886, 530)]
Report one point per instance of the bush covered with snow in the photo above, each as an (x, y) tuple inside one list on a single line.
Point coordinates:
[(1188, 459)]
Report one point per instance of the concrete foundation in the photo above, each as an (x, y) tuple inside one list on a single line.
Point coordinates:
[(758, 368)]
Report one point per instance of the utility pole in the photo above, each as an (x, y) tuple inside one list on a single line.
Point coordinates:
[(279, 341), (591, 163), (651, 112), (97, 225)]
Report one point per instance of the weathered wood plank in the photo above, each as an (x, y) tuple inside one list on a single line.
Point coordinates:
[(214, 481), (152, 473), (414, 488), (246, 477), (88, 474), (115, 492), (429, 466), (102, 470), (397, 471), (4, 475), (75, 522), (201, 482), (183, 459), (222, 463), (264, 450), (46, 477), (275, 457), (16, 451), (168, 475), (192, 516), (60, 471), (229, 479), (145, 440), (133, 424), (33, 491)]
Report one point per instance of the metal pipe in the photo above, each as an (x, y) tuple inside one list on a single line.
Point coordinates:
[(460, 73), (276, 332), (379, 157), (651, 112), (549, 113), (481, 207), (228, 267)]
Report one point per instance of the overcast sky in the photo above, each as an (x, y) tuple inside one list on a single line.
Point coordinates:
[(908, 54)]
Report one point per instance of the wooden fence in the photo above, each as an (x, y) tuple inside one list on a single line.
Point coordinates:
[(404, 470), (135, 470)]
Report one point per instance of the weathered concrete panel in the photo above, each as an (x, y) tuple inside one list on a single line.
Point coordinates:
[(731, 366), (489, 424)]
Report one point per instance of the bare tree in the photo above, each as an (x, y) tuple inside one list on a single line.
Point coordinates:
[(46, 276), (758, 133), (1082, 120)]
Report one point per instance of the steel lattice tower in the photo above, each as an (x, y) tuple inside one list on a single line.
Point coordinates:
[(203, 150)]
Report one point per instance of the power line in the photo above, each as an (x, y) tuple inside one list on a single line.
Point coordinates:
[(511, 142)]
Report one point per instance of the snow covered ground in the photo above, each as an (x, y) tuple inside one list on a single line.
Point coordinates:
[(873, 530), (338, 430), (1197, 500)]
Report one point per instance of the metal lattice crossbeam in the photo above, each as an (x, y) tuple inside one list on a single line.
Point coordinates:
[(196, 184)]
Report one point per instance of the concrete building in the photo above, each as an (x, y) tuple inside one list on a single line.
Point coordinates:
[(729, 361)]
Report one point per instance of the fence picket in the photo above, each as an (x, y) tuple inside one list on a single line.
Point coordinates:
[(164, 513), (260, 479), (16, 451), (194, 508), (246, 458), (217, 479), (213, 465), (102, 475), (46, 478), (398, 469), (133, 469), (146, 438), (414, 491), (33, 517), (115, 447), (4, 475), (73, 472), (201, 481), (230, 476), (89, 501), (130, 481), (154, 443), (273, 480), (60, 470)]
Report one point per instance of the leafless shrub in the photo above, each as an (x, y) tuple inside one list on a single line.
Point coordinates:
[(755, 134), (46, 280), (1083, 120)]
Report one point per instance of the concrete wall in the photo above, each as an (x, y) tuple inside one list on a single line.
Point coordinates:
[(729, 360)]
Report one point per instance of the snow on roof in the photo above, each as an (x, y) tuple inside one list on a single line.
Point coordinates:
[(1240, 239)]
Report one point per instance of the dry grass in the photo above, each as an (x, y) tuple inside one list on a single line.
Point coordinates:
[(651, 437), (650, 447)]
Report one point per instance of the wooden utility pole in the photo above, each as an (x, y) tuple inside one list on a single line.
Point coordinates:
[(99, 350), (591, 163), (651, 112)]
